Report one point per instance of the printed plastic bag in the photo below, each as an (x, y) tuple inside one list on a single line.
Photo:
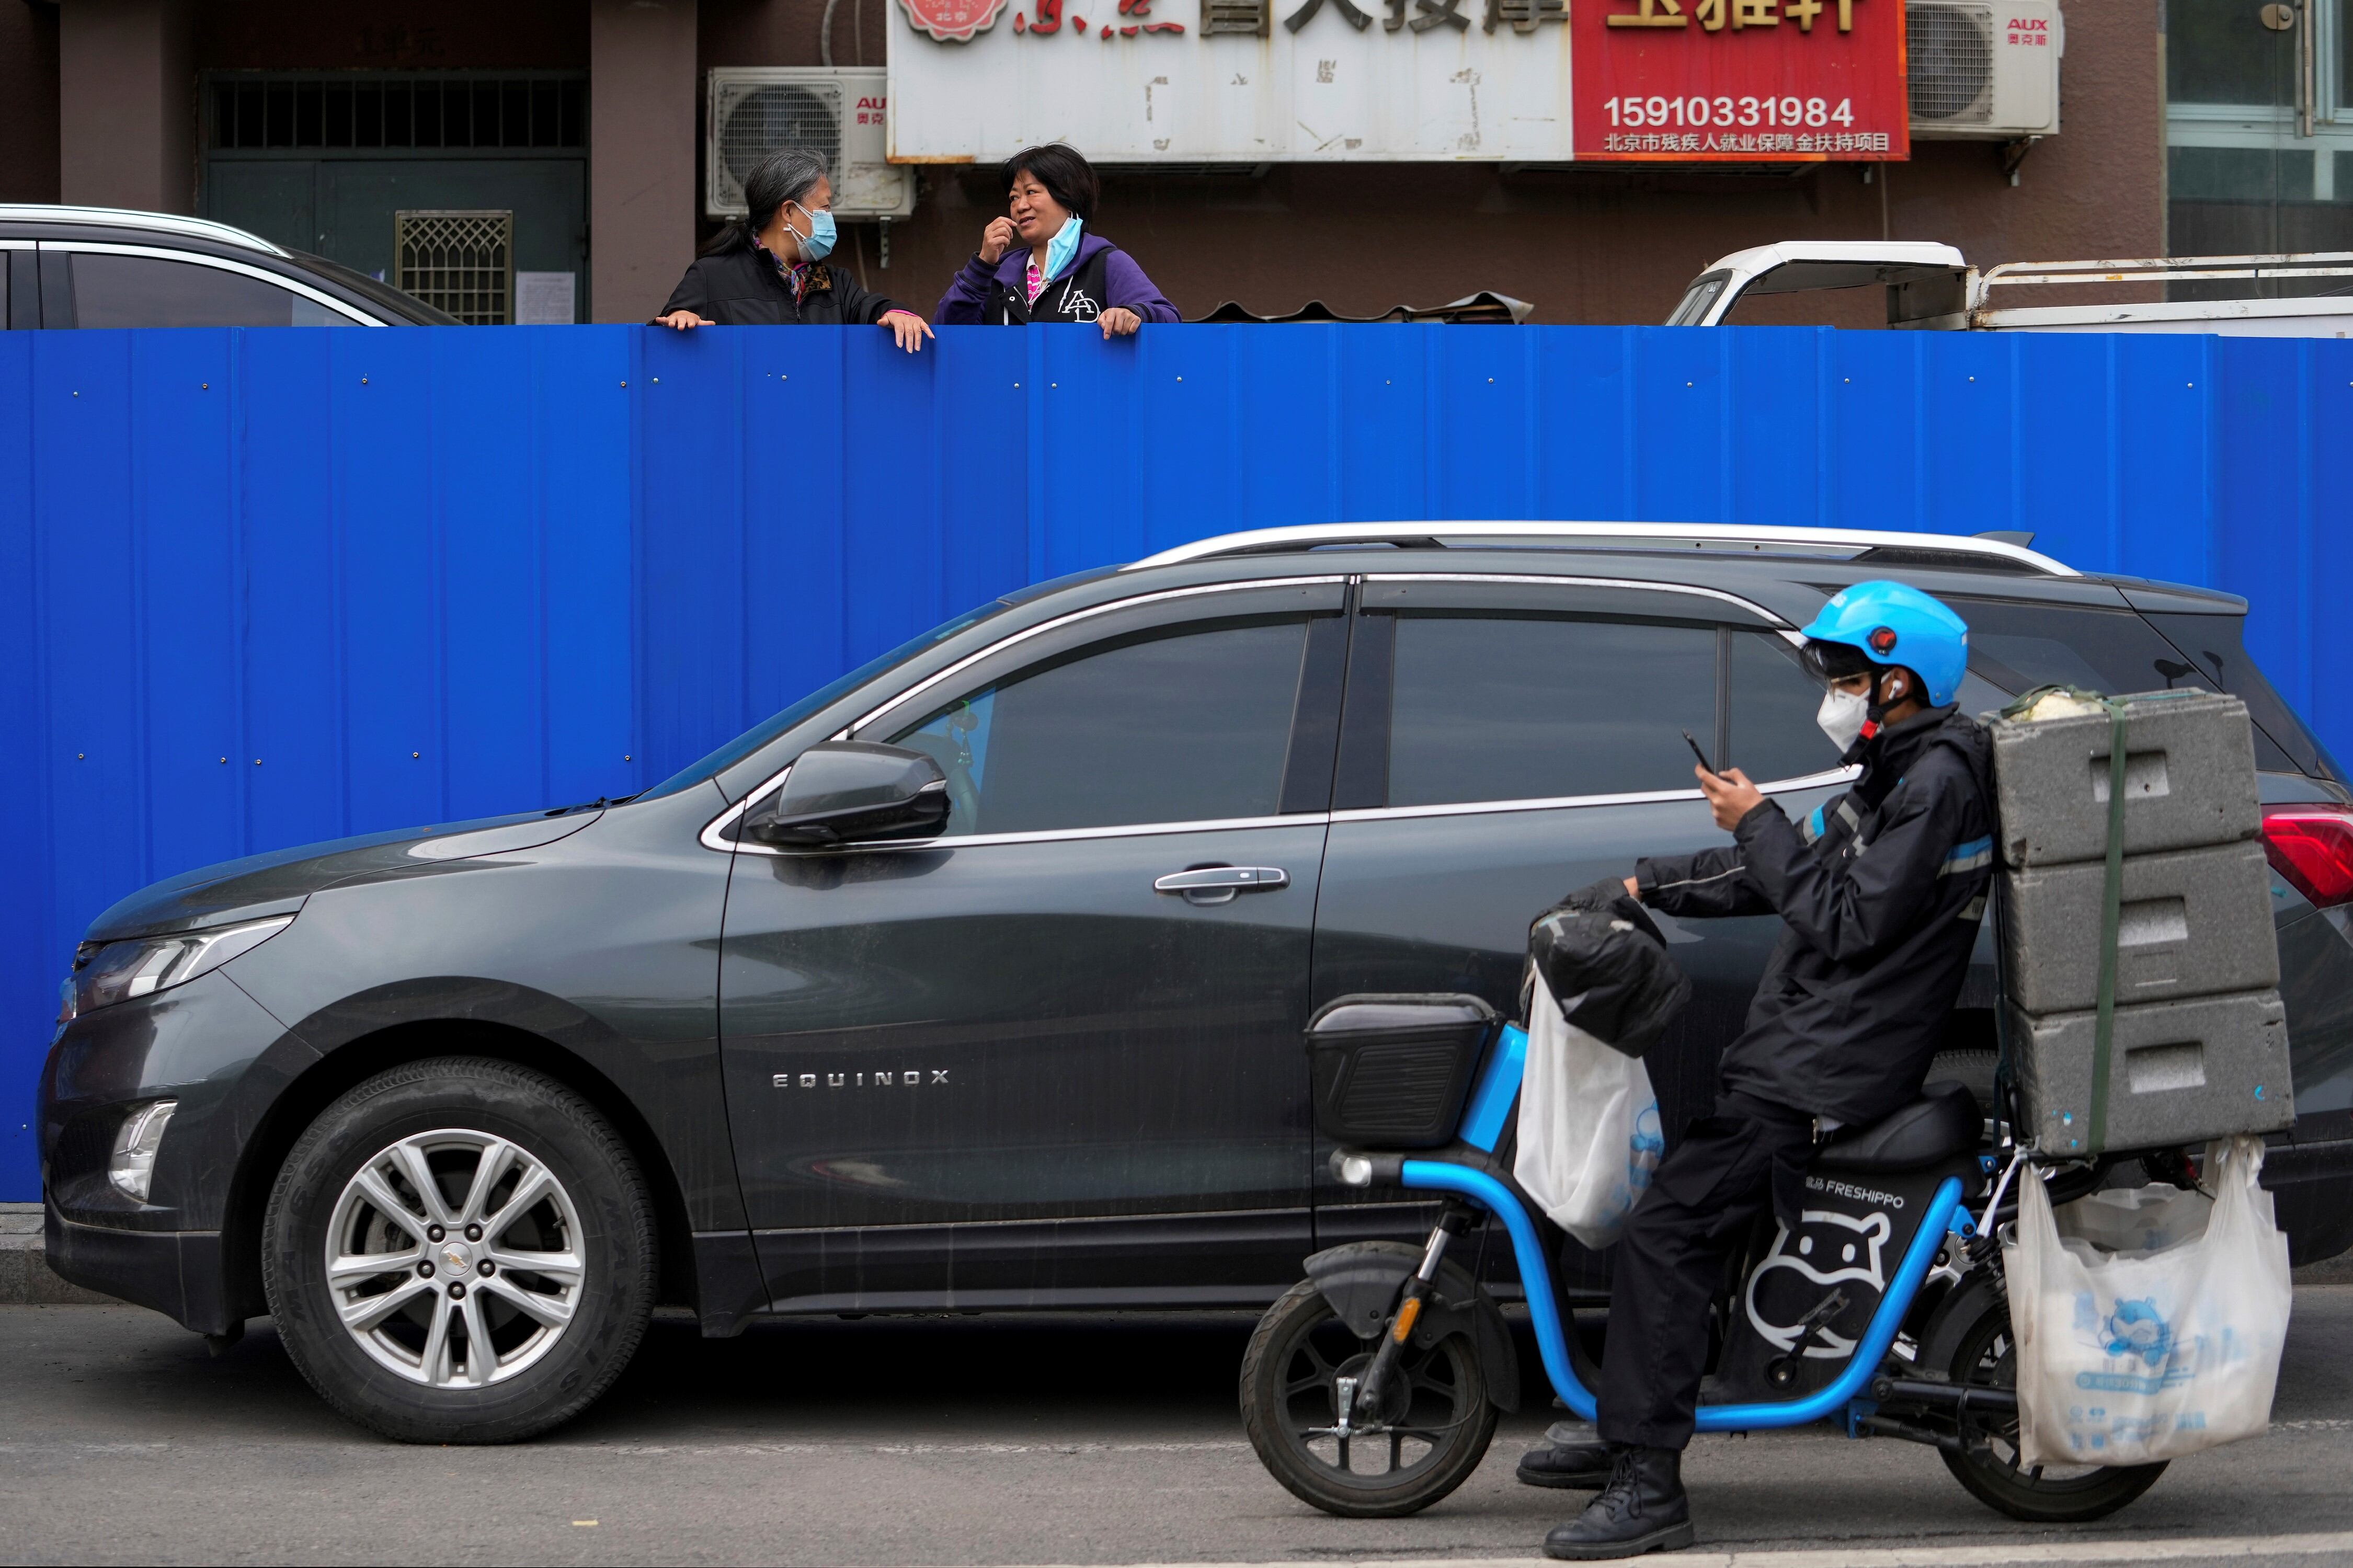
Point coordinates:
[(2161, 1346), (1590, 1134)]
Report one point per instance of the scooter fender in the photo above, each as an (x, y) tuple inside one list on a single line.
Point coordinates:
[(1361, 1281)]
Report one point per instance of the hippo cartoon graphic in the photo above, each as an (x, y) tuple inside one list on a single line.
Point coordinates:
[(1829, 1248), (2135, 1329)]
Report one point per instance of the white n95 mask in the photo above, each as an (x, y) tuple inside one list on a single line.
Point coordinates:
[(1842, 716)]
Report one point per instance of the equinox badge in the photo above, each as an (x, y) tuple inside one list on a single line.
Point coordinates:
[(908, 1080)]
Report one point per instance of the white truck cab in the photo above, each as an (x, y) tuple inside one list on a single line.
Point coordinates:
[(1933, 287)]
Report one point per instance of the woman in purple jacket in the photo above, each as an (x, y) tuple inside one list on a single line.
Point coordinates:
[(1039, 263)]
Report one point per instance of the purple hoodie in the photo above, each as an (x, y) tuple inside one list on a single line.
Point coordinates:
[(967, 300)]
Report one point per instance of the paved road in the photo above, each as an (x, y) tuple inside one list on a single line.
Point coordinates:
[(1109, 1440)]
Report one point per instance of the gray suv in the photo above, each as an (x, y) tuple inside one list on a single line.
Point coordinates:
[(977, 980)]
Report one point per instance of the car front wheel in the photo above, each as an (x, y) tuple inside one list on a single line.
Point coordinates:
[(459, 1250)]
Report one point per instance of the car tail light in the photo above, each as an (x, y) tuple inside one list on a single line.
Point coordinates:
[(2311, 847)]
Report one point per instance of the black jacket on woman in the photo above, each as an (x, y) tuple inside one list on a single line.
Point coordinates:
[(747, 288)]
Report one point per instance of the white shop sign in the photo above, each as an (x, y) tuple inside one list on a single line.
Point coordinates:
[(1231, 82)]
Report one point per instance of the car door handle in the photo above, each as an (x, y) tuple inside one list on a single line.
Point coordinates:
[(1218, 884)]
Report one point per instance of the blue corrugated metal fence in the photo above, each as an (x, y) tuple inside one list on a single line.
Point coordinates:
[(263, 588)]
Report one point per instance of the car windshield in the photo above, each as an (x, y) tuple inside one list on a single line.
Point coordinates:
[(1698, 297), (817, 701)]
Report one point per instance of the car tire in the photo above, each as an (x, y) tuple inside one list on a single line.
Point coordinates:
[(498, 1307)]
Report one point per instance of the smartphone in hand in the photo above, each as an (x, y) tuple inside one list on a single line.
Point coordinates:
[(1697, 752)]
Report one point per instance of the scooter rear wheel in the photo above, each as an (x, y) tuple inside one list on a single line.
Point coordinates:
[(1436, 1418), (1970, 1340)]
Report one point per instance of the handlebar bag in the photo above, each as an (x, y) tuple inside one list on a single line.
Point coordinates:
[(1602, 955), (2147, 1329)]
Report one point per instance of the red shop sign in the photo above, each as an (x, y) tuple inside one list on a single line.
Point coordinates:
[(952, 21), (1740, 82)]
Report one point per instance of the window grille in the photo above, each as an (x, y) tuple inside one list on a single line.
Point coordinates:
[(414, 109), (462, 261)]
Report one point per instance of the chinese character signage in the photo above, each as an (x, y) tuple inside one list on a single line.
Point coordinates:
[(1740, 80), (1234, 81), (1250, 81)]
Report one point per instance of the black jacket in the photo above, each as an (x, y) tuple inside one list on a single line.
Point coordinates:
[(1882, 891), (746, 287)]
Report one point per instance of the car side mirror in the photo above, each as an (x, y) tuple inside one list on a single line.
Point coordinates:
[(845, 792)]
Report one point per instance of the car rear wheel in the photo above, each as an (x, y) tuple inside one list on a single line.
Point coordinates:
[(459, 1250)]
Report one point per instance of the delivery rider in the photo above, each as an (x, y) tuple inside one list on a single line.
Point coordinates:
[(1881, 892)]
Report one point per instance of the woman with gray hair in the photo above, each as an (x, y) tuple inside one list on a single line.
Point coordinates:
[(768, 268)]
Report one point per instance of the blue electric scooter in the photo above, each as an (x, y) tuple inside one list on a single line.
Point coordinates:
[(1372, 1388)]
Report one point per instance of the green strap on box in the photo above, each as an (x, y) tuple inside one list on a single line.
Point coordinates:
[(2095, 1125), (2111, 917)]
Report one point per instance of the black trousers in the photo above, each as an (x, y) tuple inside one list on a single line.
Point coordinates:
[(1670, 1261)]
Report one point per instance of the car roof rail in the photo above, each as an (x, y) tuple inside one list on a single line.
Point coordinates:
[(123, 218), (1978, 552)]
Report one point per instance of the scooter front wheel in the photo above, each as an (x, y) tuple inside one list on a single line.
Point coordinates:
[(1970, 1339), (1431, 1433)]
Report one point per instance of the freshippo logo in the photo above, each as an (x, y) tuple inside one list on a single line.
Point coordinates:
[(1829, 1248), (2135, 1329), (2136, 1334)]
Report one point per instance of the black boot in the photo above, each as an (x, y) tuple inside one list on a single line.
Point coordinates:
[(1571, 1457), (1643, 1510)]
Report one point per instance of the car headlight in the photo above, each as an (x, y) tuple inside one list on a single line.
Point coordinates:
[(120, 970), (132, 1168)]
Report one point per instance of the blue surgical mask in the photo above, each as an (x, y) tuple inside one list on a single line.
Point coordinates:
[(1062, 246), (818, 243)]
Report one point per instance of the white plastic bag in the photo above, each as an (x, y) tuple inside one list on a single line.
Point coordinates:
[(2164, 1345), (1590, 1134)]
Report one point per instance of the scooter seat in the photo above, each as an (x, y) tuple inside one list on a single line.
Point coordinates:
[(1942, 1123)]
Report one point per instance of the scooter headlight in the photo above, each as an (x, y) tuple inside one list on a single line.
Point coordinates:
[(1356, 1171)]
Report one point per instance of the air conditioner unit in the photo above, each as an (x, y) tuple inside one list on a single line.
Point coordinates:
[(838, 111), (1984, 72)]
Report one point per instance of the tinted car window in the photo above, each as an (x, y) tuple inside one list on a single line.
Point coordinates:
[(148, 291), (2021, 647), (1184, 727), (1527, 708), (1774, 701), (2212, 642)]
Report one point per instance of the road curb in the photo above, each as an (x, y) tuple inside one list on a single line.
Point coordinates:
[(26, 1278)]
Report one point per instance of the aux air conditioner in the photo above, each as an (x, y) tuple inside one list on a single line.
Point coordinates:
[(838, 111), (1984, 71)]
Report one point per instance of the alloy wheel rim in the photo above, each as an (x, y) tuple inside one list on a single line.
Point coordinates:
[(453, 1258)]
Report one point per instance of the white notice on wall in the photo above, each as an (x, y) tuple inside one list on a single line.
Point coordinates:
[(544, 300)]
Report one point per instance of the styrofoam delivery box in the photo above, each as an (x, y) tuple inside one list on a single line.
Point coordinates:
[(2179, 1072), (2190, 922), (2189, 779)]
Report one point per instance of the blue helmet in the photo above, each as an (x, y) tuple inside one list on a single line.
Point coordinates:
[(1890, 623)]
